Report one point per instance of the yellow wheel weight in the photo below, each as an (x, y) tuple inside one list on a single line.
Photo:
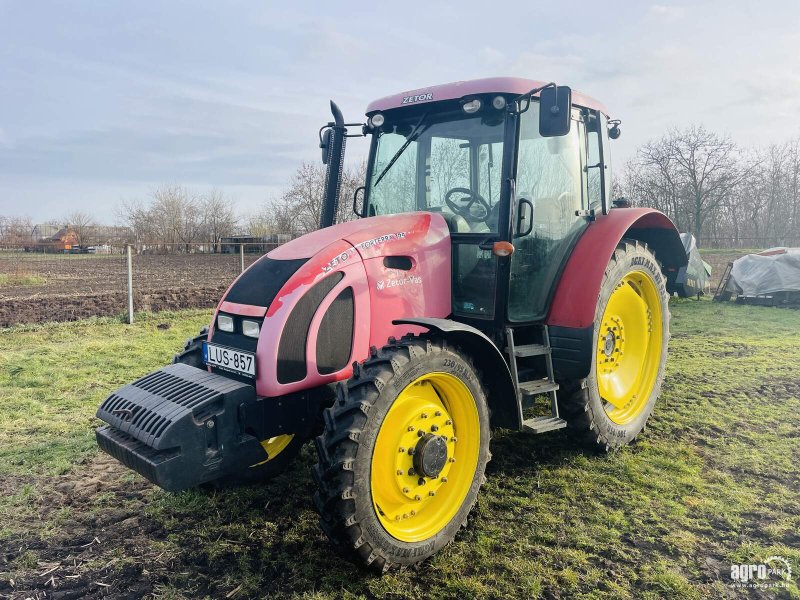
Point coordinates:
[(425, 457), (629, 347)]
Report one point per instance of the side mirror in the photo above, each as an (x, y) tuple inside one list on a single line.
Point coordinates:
[(555, 105), (524, 228), (359, 211), (325, 144)]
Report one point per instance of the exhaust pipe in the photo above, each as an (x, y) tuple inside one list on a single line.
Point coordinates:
[(333, 143)]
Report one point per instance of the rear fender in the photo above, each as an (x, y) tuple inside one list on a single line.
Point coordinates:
[(487, 359), (572, 311)]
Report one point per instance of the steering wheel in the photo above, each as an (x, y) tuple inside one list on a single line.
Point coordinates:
[(471, 206)]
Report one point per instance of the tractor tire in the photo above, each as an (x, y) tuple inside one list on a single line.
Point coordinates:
[(629, 352), (192, 353), (281, 450), (403, 453)]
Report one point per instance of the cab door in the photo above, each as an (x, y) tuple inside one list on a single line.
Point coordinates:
[(550, 177)]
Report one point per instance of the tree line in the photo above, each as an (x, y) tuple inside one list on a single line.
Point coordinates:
[(726, 195)]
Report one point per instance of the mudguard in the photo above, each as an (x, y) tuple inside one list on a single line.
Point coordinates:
[(572, 310), (487, 358)]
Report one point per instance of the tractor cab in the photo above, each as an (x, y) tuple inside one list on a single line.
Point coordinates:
[(514, 166)]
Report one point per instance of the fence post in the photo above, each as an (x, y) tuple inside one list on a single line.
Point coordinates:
[(130, 286), (241, 258)]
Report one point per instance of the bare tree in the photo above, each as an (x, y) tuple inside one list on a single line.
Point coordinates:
[(218, 216), (299, 207), (83, 224), (15, 231)]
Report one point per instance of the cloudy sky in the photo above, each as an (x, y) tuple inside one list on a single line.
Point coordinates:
[(102, 101)]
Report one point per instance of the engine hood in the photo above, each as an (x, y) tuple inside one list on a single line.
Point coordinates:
[(325, 298), (373, 236)]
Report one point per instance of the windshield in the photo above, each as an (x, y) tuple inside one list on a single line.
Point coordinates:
[(440, 164)]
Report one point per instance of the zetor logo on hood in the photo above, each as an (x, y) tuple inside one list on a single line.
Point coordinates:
[(418, 98)]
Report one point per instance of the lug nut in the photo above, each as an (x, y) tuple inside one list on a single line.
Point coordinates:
[(417, 498), (411, 451), (397, 517), (452, 459), (421, 481), (420, 433), (431, 493), (444, 479), (405, 515), (413, 513), (401, 449), (411, 428), (434, 428), (405, 490), (411, 471), (399, 471), (438, 413), (454, 439), (448, 422)]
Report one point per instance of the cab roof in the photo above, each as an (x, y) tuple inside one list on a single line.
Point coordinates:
[(460, 89)]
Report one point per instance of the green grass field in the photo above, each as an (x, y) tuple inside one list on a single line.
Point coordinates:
[(715, 480)]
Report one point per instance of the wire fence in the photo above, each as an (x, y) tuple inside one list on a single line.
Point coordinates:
[(38, 287), (59, 285)]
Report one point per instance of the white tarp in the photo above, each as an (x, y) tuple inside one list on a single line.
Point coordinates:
[(774, 270)]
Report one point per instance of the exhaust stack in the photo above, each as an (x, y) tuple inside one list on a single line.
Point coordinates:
[(333, 143)]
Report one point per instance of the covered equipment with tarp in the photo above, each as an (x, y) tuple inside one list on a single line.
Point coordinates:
[(771, 277), (695, 278)]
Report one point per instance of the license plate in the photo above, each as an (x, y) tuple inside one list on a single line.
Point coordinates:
[(230, 359)]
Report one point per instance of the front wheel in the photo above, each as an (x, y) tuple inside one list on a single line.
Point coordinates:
[(403, 453), (629, 351)]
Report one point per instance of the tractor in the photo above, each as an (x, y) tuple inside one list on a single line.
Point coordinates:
[(488, 267)]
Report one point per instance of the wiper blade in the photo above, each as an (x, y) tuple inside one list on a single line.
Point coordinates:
[(415, 133)]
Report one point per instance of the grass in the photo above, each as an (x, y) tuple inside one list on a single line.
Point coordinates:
[(714, 481), (21, 279)]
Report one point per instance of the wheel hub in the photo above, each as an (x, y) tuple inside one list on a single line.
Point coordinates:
[(430, 455), (609, 343)]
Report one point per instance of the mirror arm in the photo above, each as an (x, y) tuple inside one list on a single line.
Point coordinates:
[(527, 97)]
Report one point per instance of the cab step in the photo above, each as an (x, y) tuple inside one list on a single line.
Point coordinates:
[(543, 424), (537, 386), (530, 350), (527, 389)]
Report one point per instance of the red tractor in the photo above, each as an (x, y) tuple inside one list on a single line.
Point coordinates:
[(489, 266)]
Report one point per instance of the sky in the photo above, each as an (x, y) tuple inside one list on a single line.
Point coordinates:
[(103, 101)]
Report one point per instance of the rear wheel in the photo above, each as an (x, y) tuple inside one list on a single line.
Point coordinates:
[(629, 351), (281, 450), (403, 453)]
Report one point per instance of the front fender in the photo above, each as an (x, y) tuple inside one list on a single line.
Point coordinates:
[(505, 410)]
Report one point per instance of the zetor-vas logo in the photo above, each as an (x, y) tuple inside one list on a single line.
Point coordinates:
[(417, 98), (774, 572)]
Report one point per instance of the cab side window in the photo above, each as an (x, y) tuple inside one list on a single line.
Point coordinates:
[(593, 166)]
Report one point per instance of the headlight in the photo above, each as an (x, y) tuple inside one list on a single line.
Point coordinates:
[(472, 106), (225, 323), (250, 328), (376, 120)]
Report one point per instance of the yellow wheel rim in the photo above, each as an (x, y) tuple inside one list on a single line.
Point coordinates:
[(274, 446), (436, 418), (629, 347)]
